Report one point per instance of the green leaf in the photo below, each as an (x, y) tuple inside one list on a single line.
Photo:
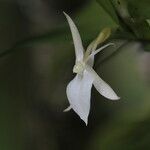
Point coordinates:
[(133, 8), (139, 9), (138, 26), (128, 24), (108, 7), (141, 29)]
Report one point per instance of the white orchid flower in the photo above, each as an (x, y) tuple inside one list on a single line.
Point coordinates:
[(79, 89)]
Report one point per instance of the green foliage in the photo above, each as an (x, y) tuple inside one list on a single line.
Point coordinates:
[(130, 21), (138, 26), (139, 9), (108, 7)]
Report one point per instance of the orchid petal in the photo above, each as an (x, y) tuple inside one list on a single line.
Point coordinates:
[(101, 48), (79, 94), (76, 39), (101, 86), (90, 58)]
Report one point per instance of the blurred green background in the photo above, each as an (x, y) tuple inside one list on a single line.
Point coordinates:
[(34, 74)]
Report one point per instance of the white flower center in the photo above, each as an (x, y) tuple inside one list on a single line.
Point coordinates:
[(79, 67)]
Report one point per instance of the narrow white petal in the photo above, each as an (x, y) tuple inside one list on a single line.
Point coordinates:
[(90, 58), (102, 87), (76, 39), (67, 109), (101, 48), (79, 94)]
